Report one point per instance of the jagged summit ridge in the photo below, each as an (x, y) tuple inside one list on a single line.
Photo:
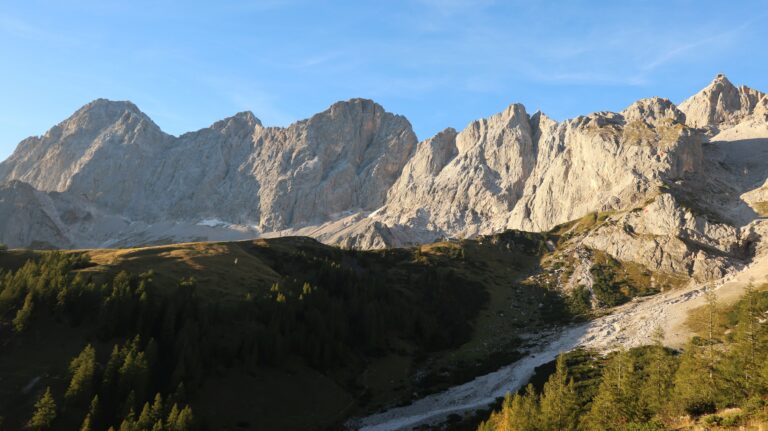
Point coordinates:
[(111, 155)]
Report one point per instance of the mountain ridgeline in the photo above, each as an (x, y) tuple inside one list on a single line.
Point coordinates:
[(353, 175)]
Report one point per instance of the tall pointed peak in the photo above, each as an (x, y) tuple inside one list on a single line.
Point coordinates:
[(719, 104), (110, 107), (721, 79), (102, 113), (241, 119)]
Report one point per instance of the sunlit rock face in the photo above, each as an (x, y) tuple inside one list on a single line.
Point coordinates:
[(113, 156)]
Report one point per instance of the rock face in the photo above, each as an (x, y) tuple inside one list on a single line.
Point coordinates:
[(679, 182), (670, 238), (529, 172), (112, 156), (29, 218), (722, 104)]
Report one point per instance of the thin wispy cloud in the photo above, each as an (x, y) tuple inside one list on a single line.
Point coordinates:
[(724, 39)]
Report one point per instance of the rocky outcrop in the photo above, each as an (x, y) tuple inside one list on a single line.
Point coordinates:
[(667, 237)]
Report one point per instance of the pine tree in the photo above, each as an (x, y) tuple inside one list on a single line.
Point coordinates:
[(44, 413), (742, 370), (83, 371), (694, 391), (21, 320), (520, 412), (184, 420), (615, 404), (559, 402), (86, 426), (660, 371)]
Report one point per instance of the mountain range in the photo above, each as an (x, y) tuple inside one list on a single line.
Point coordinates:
[(682, 184)]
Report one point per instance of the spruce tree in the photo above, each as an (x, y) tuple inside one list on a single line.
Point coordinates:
[(173, 415), (184, 420), (150, 414), (129, 422), (615, 404), (660, 371), (93, 412), (21, 320), (87, 426), (742, 370), (694, 390), (44, 413), (559, 403), (83, 371), (520, 412)]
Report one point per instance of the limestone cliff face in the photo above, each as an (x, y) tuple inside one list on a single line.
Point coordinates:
[(29, 218), (458, 182), (607, 162), (526, 172), (111, 155)]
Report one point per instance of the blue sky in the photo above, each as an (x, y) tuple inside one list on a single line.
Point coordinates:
[(440, 63)]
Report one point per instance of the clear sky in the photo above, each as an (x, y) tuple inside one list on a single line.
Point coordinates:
[(440, 63)]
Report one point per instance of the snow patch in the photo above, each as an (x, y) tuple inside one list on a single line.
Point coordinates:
[(213, 222)]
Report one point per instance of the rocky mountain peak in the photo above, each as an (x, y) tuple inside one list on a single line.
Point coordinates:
[(354, 110), (653, 110), (103, 113), (357, 103), (107, 105), (100, 129), (513, 115), (720, 104), (241, 120)]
